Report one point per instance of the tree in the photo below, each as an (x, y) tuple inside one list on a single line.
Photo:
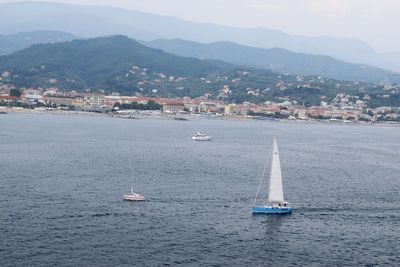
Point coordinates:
[(15, 92), (151, 105)]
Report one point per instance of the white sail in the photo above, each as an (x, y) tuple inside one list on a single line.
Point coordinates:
[(275, 192)]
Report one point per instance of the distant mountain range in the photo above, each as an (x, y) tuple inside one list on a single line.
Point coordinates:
[(222, 53), (15, 42), (392, 60), (276, 59), (120, 64), (94, 21)]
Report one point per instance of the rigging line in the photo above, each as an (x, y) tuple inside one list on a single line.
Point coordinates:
[(259, 186)]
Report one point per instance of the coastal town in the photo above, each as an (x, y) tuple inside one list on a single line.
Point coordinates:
[(343, 108), (199, 133)]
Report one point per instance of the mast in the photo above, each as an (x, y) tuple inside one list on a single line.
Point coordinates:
[(275, 190), (132, 183)]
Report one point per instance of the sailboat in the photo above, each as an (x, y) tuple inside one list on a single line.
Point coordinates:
[(133, 196), (275, 201)]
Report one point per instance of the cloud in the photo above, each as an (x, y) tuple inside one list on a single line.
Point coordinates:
[(332, 8)]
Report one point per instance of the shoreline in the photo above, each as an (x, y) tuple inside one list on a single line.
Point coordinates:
[(188, 117)]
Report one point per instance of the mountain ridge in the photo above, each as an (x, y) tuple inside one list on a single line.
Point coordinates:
[(120, 64), (14, 42), (94, 21), (275, 59), (94, 62)]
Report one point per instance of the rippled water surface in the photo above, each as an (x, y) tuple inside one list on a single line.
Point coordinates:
[(62, 179)]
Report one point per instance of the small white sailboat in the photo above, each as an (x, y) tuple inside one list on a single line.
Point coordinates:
[(201, 137), (133, 196), (275, 202)]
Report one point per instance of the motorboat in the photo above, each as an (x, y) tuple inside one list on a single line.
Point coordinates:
[(201, 137)]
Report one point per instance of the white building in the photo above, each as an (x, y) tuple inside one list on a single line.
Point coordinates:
[(173, 108)]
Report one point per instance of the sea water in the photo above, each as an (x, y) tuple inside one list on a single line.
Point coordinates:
[(62, 179)]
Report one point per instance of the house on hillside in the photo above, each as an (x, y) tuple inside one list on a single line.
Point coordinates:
[(8, 99)]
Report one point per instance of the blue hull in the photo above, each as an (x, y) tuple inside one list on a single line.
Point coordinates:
[(271, 210)]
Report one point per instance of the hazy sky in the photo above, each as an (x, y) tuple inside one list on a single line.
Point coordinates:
[(374, 21)]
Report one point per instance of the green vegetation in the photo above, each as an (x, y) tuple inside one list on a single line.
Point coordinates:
[(15, 92), (104, 63), (151, 105), (275, 115), (119, 64)]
